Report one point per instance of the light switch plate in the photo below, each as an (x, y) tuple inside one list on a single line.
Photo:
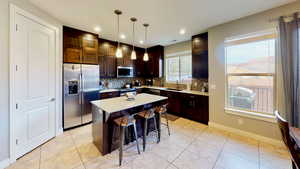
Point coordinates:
[(213, 86)]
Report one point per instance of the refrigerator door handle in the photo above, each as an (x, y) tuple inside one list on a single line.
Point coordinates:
[(80, 88)]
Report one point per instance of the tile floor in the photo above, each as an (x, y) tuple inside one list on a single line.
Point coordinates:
[(190, 146)]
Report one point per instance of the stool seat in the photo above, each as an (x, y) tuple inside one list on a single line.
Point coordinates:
[(125, 121), (147, 114)]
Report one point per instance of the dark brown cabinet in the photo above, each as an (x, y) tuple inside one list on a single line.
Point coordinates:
[(194, 107), (200, 56), (139, 68), (79, 46), (126, 59), (108, 61), (154, 67), (108, 95), (174, 105)]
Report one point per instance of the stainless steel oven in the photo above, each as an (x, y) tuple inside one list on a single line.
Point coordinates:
[(124, 71)]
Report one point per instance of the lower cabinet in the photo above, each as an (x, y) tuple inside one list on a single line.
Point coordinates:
[(174, 105), (108, 95), (195, 107), (190, 106)]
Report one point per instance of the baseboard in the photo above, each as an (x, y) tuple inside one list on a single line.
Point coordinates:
[(4, 163), (247, 134), (59, 131)]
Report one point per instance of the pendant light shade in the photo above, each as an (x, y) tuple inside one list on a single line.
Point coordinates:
[(119, 51), (146, 57), (133, 54)]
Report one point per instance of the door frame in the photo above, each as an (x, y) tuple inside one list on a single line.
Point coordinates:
[(58, 74)]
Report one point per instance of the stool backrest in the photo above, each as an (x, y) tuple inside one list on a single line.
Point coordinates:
[(162, 108), (288, 140)]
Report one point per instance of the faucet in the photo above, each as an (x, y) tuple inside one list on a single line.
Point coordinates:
[(177, 85)]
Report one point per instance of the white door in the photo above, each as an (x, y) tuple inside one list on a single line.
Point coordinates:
[(33, 84)]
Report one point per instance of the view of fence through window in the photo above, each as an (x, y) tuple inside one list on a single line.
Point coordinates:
[(178, 68), (250, 72)]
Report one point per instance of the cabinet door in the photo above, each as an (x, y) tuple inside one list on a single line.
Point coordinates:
[(108, 95), (111, 67), (139, 63), (173, 102), (195, 107), (72, 55), (90, 51), (200, 56)]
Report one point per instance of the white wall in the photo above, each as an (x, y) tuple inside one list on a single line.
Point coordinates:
[(4, 65), (178, 47), (217, 34)]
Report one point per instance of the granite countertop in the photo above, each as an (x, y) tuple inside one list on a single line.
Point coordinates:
[(108, 90), (161, 88), (121, 103), (180, 91)]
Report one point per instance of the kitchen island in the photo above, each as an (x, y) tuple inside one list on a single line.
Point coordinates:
[(105, 134)]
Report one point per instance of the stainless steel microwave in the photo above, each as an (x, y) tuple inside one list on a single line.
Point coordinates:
[(124, 71)]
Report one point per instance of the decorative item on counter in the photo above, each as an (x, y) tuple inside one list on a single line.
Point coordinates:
[(188, 86), (204, 87), (130, 96), (137, 83)]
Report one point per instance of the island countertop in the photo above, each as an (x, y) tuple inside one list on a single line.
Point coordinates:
[(121, 103)]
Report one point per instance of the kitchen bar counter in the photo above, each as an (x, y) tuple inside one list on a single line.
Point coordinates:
[(105, 132), (121, 103), (161, 88)]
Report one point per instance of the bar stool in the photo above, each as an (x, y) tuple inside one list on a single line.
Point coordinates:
[(125, 122), (162, 110), (147, 115)]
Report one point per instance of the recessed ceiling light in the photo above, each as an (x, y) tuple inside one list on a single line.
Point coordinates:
[(97, 29), (122, 36), (141, 42), (182, 31)]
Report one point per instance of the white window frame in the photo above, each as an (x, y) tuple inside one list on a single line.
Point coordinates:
[(244, 112), (173, 55)]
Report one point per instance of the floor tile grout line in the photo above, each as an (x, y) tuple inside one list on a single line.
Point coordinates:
[(220, 153), (71, 135), (194, 139), (40, 160)]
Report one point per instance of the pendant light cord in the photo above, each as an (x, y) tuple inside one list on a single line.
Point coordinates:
[(118, 31), (133, 31), (146, 38)]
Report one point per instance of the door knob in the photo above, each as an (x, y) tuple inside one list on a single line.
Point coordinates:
[(52, 100)]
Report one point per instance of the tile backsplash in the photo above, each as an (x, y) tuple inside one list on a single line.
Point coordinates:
[(113, 83)]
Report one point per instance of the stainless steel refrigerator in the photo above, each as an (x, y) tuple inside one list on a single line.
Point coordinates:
[(81, 85)]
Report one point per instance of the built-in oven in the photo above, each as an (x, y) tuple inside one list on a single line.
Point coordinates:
[(124, 71)]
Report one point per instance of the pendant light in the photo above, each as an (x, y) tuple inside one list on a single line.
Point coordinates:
[(146, 57), (133, 54), (119, 51)]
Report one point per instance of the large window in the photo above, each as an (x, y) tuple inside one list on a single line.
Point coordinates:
[(250, 73), (179, 68)]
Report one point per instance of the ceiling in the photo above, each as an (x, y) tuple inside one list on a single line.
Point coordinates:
[(166, 17)]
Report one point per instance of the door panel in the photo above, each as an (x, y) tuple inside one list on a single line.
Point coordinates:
[(34, 84), (72, 95), (90, 90)]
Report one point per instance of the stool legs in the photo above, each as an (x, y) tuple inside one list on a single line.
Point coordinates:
[(136, 138), (146, 130), (166, 116), (121, 145), (145, 134)]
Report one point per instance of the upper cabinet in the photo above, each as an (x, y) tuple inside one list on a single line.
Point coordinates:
[(79, 46), (107, 58), (154, 68), (200, 56), (125, 61)]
